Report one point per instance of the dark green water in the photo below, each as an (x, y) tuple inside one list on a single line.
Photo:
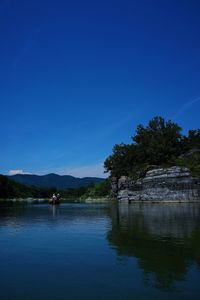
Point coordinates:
[(80, 251)]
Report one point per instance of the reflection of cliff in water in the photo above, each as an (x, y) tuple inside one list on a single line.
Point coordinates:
[(165, 238)]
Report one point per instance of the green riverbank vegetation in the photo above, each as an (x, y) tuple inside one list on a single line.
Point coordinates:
[(10, 189)]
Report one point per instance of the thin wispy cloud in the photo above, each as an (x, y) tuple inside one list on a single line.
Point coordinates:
[(89, 170), (96, 170), (183, 109), (121, 123)]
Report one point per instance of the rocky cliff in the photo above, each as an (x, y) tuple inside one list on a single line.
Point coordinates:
[(161, 184)]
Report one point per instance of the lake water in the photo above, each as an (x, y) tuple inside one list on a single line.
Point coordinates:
[(89, 251)]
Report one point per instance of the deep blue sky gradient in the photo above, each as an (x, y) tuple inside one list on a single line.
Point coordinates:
[(76, 77)]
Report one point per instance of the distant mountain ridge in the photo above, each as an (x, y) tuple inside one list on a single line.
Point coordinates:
[(54, 180)]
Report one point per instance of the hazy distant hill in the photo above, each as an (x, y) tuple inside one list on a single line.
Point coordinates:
[(54, 180)]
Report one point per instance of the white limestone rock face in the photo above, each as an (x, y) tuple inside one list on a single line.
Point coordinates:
[(169, 184)]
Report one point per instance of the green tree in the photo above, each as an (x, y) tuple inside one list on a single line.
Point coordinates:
[(120, 162), (159, 142)]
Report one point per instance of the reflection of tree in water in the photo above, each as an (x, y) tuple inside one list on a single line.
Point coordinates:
[(164, 238)]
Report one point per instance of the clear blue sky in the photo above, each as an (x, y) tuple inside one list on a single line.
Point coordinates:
[(76, 77)]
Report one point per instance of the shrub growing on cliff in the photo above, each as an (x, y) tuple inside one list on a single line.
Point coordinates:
[(192, 141)]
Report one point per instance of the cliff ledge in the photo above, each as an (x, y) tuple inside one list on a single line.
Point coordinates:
[(174, 184)]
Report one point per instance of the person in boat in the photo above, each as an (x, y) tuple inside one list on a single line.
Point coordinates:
[(58, 198), (54, 199)]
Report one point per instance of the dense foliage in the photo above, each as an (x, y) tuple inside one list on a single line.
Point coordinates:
[(11, 189), (98, 190), (160, 143)]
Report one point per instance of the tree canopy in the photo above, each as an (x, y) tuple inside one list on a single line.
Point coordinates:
[(159, 143)]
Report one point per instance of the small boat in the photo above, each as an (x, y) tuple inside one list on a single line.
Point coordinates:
[(54, 202)]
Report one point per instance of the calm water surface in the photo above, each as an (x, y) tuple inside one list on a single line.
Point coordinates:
[(82, 251)]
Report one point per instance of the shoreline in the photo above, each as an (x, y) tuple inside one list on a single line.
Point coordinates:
[(102, 200), (46, 200)]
